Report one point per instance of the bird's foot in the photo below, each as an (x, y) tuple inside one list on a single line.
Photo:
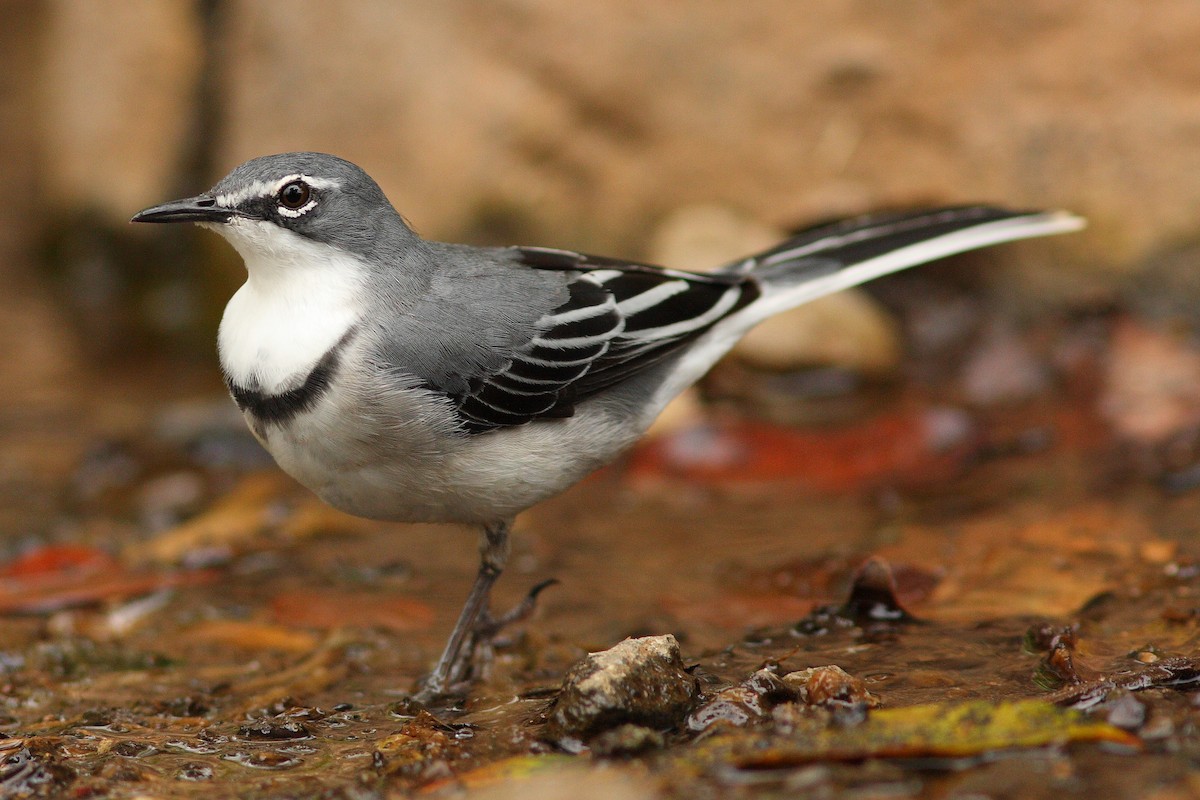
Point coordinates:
[(474, 657)]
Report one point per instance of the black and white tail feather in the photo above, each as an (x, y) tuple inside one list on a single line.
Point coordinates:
[(622, 317)]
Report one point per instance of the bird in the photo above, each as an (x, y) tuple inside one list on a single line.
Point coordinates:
[(401, 378)]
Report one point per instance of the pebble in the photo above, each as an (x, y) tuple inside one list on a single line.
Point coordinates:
[(639, 681), (829, 686), (743, 704)]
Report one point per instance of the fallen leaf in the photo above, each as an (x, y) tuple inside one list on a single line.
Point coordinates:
[(56, 559), (246, 512), (264, 506), (59, 577), (936, 730), (252, 635)]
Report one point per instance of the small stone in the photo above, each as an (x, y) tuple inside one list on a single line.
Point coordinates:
[(735, 706), (1157, 728), (272, 730), (639, 681), (770, 687), (873, 595), (194, 772), (131, 748), (747, 703), (829, 686)]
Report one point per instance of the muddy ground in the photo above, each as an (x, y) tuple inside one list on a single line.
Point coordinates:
[(177, 619)]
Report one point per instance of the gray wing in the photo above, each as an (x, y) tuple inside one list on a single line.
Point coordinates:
[(620, 318)]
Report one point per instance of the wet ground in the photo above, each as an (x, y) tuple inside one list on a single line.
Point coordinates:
[(179, 620)]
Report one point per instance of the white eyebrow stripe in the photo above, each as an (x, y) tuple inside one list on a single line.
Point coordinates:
[(234, 199), (264, 189), (315, 182)]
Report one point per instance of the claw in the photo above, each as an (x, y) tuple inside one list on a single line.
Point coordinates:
[(490, 626), (477, 650)]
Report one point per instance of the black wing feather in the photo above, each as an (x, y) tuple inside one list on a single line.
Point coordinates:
[(620, 318)]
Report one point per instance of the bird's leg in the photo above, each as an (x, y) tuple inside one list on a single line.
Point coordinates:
[(455, 663)]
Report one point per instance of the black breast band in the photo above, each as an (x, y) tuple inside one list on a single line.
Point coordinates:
[(282, 407)]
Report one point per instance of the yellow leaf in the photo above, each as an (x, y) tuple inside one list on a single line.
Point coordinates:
[(938, 730)]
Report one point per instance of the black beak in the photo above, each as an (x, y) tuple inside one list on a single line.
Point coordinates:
[(192, 209)]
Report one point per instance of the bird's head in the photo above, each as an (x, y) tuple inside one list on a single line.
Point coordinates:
[(276, 207)]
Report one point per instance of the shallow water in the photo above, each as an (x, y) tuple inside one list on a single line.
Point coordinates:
[(181, 621)]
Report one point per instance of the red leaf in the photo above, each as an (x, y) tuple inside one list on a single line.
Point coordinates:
[(70, 576)]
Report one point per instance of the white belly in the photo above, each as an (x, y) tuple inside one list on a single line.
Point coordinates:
[(393, 454)]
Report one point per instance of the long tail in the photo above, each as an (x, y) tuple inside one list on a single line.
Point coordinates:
[(827, 258)]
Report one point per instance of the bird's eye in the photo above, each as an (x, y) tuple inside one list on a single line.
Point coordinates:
[(294, 195)]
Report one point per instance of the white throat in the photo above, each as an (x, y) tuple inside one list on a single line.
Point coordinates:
[(298, 300)]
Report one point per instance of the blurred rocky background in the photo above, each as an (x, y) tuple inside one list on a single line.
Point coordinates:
[(588, 127), (680, 132)]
